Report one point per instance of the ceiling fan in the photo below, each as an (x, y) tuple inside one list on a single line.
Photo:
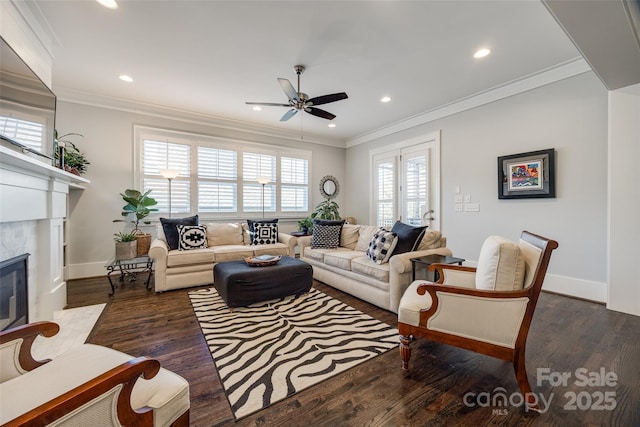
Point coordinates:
[(301, 101)]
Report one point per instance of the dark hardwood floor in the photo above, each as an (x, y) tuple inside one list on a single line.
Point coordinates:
[(566, 335)]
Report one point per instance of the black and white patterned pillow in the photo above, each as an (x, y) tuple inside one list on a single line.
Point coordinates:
[(325, 236), (192, 237), (382, 245), (265, 233)]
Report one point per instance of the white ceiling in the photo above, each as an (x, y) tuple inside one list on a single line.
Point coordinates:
[(209, 57)]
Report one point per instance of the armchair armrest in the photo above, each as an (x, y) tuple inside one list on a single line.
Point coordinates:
[(125, 374), (492, 317), (16, 346)]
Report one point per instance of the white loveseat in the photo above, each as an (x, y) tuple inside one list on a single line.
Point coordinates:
[(349, 269), (175, 269)]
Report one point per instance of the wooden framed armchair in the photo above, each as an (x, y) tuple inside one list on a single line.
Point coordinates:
[(487, 309), (85, 385)]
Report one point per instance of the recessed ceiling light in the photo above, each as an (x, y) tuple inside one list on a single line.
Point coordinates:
[(109, 4), (481, 53), (332, 125), (257, 108), (385, 99), (125, 78)]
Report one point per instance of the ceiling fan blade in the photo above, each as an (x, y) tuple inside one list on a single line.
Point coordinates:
[(268, 104), (325, 99), (288, 115), (289, 90), (320, 113)]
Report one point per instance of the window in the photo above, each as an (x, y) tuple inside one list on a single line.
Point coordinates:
[(25, 132), (219, 178), (406, 183)]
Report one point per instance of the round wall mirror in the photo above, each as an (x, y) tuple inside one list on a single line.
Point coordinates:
[(329, 187)]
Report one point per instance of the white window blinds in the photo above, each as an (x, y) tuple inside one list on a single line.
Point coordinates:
[(158, 156), (217, 180), (254, 166), (294, 184), (25, 132)]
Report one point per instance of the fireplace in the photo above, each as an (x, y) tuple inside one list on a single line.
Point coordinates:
[(14, 303)]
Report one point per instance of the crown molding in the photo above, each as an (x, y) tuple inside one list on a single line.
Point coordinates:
[(563, 71), (135, 107)]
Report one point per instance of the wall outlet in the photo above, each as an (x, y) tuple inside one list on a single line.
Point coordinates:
[(472, 207)]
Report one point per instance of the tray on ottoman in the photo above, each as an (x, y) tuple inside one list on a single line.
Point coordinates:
[(240, 285)]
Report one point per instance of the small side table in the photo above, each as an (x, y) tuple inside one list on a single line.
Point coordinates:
[(424, 262), (130, 267)]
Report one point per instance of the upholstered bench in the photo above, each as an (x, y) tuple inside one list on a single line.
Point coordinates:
[(240, 284)]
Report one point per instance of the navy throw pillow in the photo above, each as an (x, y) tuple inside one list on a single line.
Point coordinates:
[(409, 237), (170, 228)]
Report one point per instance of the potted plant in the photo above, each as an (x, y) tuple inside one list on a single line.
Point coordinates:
[(126, 245), (67, 154), (327, 209), (139, 205), (305, 225)]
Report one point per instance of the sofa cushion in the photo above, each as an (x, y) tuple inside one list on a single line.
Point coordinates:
[(232, 252), (170, 228), (219, 234), (382, 245), (501, 266), (363, 265), (192, 237), (317, 253), (409, 237), (326, 233), (365, 234), (341, 258), (349, 236), (430, 240), (273, 249), (265, 233), (196, 256)]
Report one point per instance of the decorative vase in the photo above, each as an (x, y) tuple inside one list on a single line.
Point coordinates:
[(144, 242), (126, 250)]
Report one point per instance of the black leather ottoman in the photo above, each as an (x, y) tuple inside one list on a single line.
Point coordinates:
[(240, 284)]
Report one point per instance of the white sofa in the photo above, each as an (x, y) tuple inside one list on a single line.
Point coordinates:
[(175, 269), (349, 269)]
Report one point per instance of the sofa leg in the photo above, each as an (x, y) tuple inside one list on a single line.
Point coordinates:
[(405, 351)]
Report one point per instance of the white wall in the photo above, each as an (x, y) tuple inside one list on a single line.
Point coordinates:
[(109, 146), (570, 116), (624, 200)]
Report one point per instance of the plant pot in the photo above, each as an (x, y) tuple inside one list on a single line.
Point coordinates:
[(144, 242), (126, 250)]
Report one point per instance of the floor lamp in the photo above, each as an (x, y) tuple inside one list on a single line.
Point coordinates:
[(169, 174), (263, 180)]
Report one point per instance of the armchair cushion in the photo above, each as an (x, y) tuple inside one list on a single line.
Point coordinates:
[(501, 266)]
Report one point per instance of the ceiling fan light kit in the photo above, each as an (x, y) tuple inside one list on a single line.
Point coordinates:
[(299, 101)]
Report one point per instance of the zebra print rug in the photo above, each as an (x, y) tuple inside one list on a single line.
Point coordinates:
[(272, 350)]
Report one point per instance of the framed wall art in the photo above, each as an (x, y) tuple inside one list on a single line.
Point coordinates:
[(527, 175)]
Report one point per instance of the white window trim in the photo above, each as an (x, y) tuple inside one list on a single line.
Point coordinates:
[(140, 133), (432, 140)]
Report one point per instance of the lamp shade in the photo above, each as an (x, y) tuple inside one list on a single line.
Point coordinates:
[(263, 180), (169, 173)]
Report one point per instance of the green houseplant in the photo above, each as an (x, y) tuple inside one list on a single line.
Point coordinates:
[(305, 225), (126, 245), (140, 206), (73, 160), (327, 209)]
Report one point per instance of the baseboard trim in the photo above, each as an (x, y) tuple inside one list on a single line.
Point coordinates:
[(90, 269)]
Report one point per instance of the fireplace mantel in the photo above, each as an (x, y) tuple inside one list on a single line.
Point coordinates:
[(33, 206)]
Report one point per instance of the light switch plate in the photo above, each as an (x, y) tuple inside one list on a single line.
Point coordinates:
[(472, 207), (467, 198), (458, 198), (458, 207)]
